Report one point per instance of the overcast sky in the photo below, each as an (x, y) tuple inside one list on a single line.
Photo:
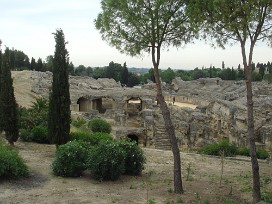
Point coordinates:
[(27, 25)]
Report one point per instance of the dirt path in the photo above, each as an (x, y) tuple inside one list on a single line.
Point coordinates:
[(155, 183)]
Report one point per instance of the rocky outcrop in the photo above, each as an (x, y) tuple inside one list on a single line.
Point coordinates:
[(218, 110)]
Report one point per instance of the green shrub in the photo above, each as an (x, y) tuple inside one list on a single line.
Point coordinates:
[(244, 151), (78, 122), (99, 125), (218, 148), (107, 161), (11, 164), (210, 149), (70, 159), (26, 135), (39, 134), (91, 138), (135, 159), (261, 153), (266, 196), (36, 115)]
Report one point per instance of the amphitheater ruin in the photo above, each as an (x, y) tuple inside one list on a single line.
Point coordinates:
[(204, 110)]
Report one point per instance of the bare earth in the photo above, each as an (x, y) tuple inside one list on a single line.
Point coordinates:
[(155, 183), (22, 88)]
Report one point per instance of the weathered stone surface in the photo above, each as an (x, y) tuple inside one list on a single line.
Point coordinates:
[(221, 110)]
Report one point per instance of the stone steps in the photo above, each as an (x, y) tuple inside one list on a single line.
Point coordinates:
[(161, 139)]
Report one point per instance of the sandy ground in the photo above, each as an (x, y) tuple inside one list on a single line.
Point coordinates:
[(22, 88), (156, 182)]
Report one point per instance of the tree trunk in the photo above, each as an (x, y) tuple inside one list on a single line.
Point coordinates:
[(251, 138), (168, 124), (250, 127)]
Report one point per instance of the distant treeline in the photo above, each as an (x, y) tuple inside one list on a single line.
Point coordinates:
[(133, 76)]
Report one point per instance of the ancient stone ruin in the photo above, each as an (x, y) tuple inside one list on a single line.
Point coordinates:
[(214, 109)]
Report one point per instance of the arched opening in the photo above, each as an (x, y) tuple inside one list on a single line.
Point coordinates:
[(103, 104), (133, 137), (83, 104), (134, 106)]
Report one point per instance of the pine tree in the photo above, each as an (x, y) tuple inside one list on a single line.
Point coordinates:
[(8, 105), (59, 100)]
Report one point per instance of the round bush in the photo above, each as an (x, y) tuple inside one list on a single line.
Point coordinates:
[(11, 164), (107, 161), (39, 134), (70, 159), (78, 122), (229, 149), (244, 151), (91, 138), (262, 153), (135, 159), (99, 125), (26, 135)]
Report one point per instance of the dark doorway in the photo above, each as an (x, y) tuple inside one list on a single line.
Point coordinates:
[(83, 104), (133, 138)]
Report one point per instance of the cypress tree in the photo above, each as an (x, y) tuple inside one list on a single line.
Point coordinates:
[(1, 106), (33, 64), (59, 99), (124, 74), (8, 105)]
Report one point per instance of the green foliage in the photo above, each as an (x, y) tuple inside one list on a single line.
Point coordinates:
[(39, 134), (255, 76), (134, 157), (218, 148), (167, 75), (151, 201), (59, 114), (78, 122), (230, 150), (70, 159), (99, 125), (107, 161), (266, 196), (262, 153), (133, 80), (26, 135), (243, 151), (8, 105), (12, 165), (35, 115), (91, 138)]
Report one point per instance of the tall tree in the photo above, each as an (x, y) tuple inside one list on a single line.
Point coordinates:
[(138, 26), (32, 64), (49, 63), (39, 65), (245, 22), (59, 100), (12, 59), (124, 74), (8, 105), (1, 103)]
